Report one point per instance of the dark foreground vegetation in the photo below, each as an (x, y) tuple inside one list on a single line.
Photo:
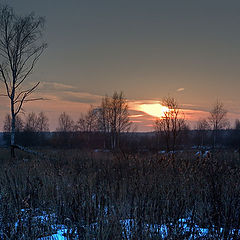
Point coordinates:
[(91, 194)]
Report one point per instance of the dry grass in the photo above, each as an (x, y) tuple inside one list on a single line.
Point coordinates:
[(84, 188)]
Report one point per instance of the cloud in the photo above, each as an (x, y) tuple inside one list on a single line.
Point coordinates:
[(63, 92), (188, 105), (54, 86), (180, 89), (81, 97), (136, 116)]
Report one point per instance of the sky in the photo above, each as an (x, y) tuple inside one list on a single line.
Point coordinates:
[(148, 49)]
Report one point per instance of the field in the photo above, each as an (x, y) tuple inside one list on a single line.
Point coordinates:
[(73, 194)]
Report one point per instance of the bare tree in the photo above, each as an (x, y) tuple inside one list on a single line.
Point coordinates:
[(65, 131), (104, 119), (43, 122), (237, 124), (7, 124), (218, 119), (87, 124), (89, 121), (114, 117), (34, 130), (36, 123), (20, 48), (30, 136), (31, 123), (171, 124), (7, 128), (202, 129), (66, 124)]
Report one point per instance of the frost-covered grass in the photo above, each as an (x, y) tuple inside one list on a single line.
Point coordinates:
[(151, 231)]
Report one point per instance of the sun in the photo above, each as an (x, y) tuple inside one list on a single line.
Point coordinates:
[(153, 109)]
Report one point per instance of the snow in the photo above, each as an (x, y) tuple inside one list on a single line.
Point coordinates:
[(60, 235), (129, 224), (184, 227)]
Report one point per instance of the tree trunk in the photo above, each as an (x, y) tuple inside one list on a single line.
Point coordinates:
[(113, 140), (214, 138), (12, 131)]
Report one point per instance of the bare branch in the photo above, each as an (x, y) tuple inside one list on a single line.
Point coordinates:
[(27, 92), (5, 81), (31, 66), (30, 100), (20, 49)]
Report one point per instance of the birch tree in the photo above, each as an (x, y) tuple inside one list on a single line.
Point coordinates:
[(21, 45), (114, 118)]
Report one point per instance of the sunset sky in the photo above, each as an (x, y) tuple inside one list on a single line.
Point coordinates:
[(147, 49)]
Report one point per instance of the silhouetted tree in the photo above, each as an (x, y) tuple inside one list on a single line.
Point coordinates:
[(237, 124), (7, 128), (171, 124), (31, 123), (114, 118), (202, 130), (235, 137), (30, 133), (89, 121), (20, 48), (86, 127), (43, 122), (104, 119), (218, 119), (64, 134), (65, 123), (7, 124), (35, 129)]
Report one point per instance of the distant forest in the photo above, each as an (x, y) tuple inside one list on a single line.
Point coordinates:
[(108, 127)]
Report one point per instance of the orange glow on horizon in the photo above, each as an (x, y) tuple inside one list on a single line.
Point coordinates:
[(136, 116), (154, 109)]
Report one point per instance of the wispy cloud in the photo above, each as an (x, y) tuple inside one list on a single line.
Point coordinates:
[(64, 92), (136, 116), (81, 97), (188, 105), (180, 89), (54, 86)]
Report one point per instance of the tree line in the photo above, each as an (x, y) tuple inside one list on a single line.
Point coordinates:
[(109, 120), (108, 126), (173, 124)]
